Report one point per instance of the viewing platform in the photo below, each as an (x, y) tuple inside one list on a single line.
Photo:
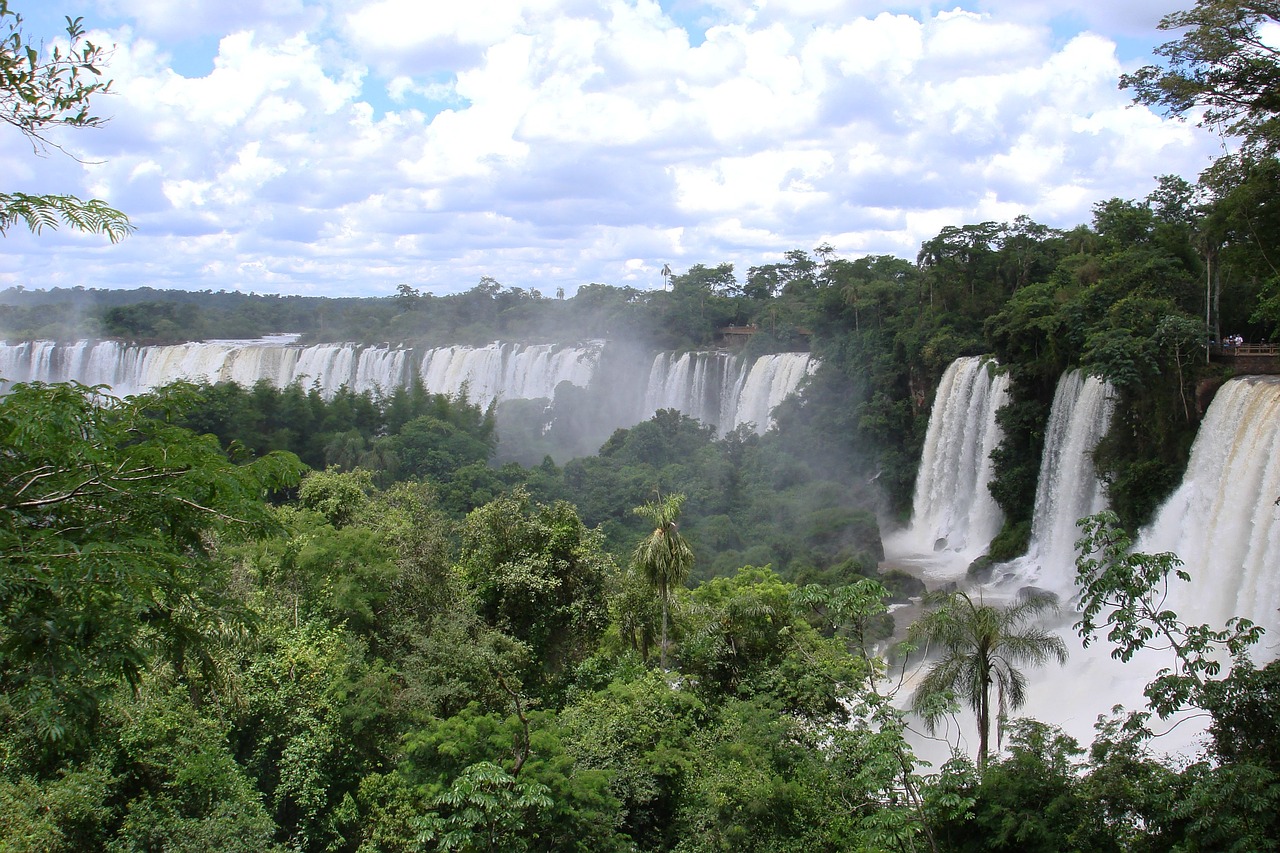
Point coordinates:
[(736, 336), (1248, 358), (737, 333)]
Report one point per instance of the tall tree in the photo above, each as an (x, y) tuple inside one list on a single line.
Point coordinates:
[(981, 645), (1223, 62), (41, 91), (664, 557), (538, 574)]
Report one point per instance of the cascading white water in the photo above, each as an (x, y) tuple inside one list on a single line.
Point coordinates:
[(498, 370), (1223, 521), (693, 383), (769, 381), (953, 510), (1238, 443), (1068, 487), (724, 390), (716, 388), (506, 371)]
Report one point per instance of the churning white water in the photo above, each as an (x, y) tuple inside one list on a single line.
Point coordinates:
[(770, 379), (506, 371), (698, 384), (953, 513), (1223, 523)]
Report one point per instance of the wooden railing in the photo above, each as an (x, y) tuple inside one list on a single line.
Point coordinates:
[(1247, 349), (1248, 358)]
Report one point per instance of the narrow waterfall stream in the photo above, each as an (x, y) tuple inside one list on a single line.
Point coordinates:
[(1068, 487), (954, 516)]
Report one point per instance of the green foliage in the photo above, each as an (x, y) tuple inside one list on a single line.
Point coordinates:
[(1222, 63), (1016, 466), (1034, 799), (663, 557), (41, 90), (435, 448), (182, 789), (538, 574), (339, 497), (747, 637), (64, 814), (1229, 808), (342, 576), (522, 754), (980, 646), (39, 212), (107, 512), (305, 697), (639, 732), (1245, 706), (485, 809), (1123, 593), (759, 788), (407, 434)]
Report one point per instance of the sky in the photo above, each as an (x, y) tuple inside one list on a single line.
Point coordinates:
[(344, 148)]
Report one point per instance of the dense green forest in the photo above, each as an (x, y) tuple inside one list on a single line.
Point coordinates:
[(262, 619)]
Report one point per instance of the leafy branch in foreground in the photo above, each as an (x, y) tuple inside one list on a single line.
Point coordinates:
[(49, 211), (1224, 63), (45, 89), (1125, 593), (41, 90), (107, 517)]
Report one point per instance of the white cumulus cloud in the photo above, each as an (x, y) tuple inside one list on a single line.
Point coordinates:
[(315, 147)]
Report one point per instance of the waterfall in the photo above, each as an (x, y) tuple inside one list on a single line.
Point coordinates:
[(953, 509), (506, 371), (769, 381), (1068, 487), (1223, 521), (693, 382), (714, 387), (498, 370), (723, 390)]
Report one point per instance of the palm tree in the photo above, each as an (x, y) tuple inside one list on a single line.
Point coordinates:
[(981, 645), (663, 556)]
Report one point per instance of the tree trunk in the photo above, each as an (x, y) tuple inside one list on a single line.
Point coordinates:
[(662, 654), (984, 722)]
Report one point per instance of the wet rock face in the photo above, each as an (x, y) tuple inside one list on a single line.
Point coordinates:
[(981, 569), (902, 586)]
